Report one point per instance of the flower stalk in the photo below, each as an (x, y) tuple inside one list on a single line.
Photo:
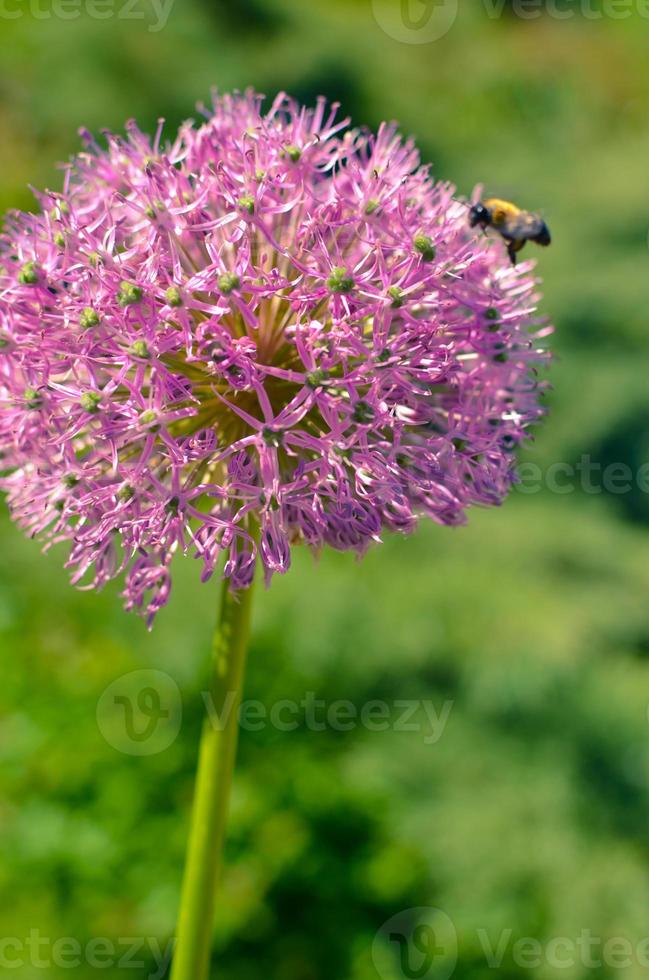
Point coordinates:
[(214, 778)]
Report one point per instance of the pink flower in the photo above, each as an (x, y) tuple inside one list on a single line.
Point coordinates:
[(273, 321)]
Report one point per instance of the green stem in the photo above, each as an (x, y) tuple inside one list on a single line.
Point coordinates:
[(215, 767)]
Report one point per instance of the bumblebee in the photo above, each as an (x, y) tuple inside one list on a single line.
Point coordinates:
[(515, 226)]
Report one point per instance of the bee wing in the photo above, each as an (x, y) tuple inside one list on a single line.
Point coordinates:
[(523, 226)]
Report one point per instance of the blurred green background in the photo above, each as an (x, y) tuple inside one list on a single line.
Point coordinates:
[(529, 816)]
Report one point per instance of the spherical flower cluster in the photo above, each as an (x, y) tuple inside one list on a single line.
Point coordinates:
[(273, 330)]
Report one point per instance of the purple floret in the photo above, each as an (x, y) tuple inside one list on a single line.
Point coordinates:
[(274, 330)]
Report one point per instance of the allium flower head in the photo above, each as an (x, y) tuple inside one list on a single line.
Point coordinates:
[(273, 330)]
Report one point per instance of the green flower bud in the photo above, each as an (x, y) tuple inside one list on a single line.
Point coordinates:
[(363, 413), (59, 239), (316, 379), (372, 205), (293, 152), (424, 245), (149, 417), (173, 296), (396, 296), (492, 317), (28, 274), (228, 282), (89, 318), (247, 203), (272, 437), (90, 401), (139, 349), (125, 493), (33, 398), (339, 281), (128, 294)]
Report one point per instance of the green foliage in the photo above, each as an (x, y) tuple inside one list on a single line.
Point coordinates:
[(530, 812)]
